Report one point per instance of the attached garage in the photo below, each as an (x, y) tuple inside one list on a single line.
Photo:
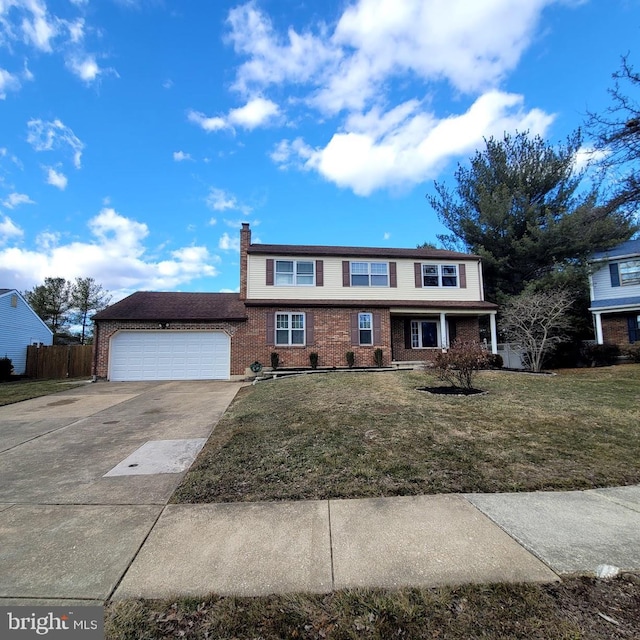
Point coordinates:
[(169, 355)]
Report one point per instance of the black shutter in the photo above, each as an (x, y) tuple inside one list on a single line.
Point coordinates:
[(634, 329), (615, 274)]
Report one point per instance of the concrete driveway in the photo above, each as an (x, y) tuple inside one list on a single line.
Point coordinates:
[(84, 475)]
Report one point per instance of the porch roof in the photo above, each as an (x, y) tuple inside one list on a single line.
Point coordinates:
[(396, 306)]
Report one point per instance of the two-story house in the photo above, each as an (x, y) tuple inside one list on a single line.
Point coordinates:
[(296, 300), (614, 281)]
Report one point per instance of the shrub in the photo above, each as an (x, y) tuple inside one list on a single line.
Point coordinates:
[(275, 360), (6, 367), (460, 363), (633, 352), (351, 359), (378, 357), (495, 361), (313, 360), (601, 355)]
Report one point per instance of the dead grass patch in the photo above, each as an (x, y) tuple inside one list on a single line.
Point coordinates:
[(335, 436), (576, 609)]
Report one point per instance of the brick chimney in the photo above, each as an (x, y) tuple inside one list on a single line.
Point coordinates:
[(245, 241)]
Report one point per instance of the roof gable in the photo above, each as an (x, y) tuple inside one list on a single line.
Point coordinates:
[(9, 292)]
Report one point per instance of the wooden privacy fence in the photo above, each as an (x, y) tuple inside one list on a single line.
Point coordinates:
[(59, 361)]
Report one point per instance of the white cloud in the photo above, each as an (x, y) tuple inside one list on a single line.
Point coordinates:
[(204, 122), (115, 256), (180, 156), (255, 113), (228, 243), (9, 230), (84, 66), (472, 45), (14, 200), (221, 200), (56, 178), (54, 134), (407, 145), (386, 235), (8, 82), (587, 156)]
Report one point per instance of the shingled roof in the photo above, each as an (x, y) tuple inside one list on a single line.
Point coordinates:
[(171, 305), (358, 252)]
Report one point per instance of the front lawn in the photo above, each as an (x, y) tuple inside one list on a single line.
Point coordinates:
[(11, 392), (351, 435)]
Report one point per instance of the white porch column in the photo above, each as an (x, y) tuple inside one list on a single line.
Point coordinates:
[(444, 339), (598, 319), (494, 333)]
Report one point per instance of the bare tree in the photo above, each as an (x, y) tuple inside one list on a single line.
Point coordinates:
[(617, 135), (87, 297), (536, 322)]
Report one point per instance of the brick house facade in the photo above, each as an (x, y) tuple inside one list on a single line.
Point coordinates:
[(296, 300)]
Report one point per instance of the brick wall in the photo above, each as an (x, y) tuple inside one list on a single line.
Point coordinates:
[(104, 330), (467, 329), (332, 340), (615, 329)]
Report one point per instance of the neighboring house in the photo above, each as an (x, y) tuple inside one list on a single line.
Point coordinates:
[(20, 326), (615, 294), (296, 300)]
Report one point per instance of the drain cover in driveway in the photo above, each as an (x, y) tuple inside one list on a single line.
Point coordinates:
[(159, 456)]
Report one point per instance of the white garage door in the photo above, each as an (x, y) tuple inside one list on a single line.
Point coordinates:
[(169, 355)]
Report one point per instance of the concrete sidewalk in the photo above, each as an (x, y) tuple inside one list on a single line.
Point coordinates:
[(317, 546)]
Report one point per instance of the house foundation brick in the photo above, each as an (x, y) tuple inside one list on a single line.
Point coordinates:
[(615, 329)]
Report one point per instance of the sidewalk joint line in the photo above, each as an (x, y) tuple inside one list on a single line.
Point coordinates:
[(333, 581)]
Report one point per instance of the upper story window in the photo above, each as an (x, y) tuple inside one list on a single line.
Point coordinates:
[(629, 272), (439, 275), (294, 272), (369, 274)]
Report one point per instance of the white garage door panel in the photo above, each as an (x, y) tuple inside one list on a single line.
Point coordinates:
[(169, 355)]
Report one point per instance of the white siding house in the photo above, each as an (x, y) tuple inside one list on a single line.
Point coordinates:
[(20, 326), (615, 294)]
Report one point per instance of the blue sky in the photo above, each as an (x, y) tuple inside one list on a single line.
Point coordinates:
[(136, 135)]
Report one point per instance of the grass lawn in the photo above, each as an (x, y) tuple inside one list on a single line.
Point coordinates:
[(372, 434), (11, 392), (576, 609)]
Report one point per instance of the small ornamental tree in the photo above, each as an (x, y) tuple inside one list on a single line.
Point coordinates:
[(536, 322), (459, 364)]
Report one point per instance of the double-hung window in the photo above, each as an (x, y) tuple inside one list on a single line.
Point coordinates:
[(289, 329), (629, 272), (365, 328), (294, 272), (369, 274), (439, 275)]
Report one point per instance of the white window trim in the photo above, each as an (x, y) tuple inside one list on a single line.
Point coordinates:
[(290, 329), (370, 329), (295, 282), (368, 274), (636, 280), (440, 268), (438, 333)]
